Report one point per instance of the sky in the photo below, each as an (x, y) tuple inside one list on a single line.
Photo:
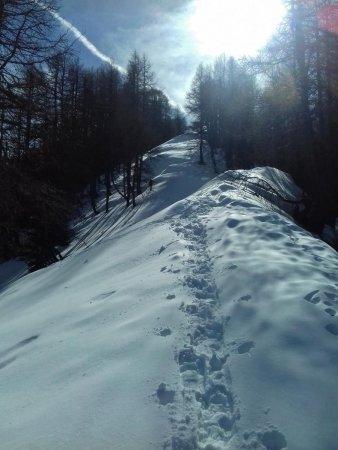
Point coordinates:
[(176, 35)]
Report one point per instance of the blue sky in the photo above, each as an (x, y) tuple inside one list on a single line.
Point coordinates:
[(176, 35), (117, 27)]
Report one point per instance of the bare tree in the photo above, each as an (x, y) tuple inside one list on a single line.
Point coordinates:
[(27, 34)]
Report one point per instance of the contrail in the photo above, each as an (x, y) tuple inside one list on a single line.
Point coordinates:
[(77, 33)]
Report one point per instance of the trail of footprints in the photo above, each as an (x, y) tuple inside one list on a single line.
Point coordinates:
[(329, 301), (323, 298), (205, 412)]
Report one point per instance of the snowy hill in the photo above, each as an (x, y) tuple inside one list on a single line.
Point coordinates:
[(202, 319)]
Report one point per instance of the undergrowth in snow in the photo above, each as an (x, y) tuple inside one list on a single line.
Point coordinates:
[(204, 318)]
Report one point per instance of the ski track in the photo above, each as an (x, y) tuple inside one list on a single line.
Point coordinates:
[(205, 413)]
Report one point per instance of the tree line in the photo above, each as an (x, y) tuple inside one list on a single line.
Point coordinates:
[(62, 126), (281, 107)]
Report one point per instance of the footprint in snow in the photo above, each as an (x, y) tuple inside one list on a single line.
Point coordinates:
[(330, 311), (224, 187), (216, 363), (246, 347), (245, 298), (329, 300), (332, 328), (217, 395), (312, 297), (274, 440), (164, 332), (275, 236), (161, 249), (263, 218), (189, 361), (333, 297), (164, 396), (232, 223), (225, 423)]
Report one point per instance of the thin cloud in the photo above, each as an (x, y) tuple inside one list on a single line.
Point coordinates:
[(176, 66), (82, 38)]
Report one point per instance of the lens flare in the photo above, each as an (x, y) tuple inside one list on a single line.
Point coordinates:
[(328, 18)]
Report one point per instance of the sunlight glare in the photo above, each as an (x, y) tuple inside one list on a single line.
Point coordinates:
[(234, 27)]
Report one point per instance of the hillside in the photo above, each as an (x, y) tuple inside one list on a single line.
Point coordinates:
[(204, 318)]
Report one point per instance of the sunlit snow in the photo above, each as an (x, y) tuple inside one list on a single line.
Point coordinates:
[(203, 318)]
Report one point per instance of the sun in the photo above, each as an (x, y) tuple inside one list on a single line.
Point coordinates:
[(233, 27)]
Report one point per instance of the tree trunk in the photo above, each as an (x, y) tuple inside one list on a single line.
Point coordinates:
[(306, 126), (128, 183), (212, 156), (107, 184), (201, 161), (139, 175), (93, 195)]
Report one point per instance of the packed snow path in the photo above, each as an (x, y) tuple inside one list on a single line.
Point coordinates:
[(208, 402), (201, 319)]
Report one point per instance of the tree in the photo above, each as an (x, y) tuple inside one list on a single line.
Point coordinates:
[(196, 103), (221, 100), (27, 37)]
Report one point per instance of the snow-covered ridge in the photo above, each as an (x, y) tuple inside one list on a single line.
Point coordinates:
[(201, 319)]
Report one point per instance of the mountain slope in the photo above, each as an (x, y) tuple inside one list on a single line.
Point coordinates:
[(203, 318)]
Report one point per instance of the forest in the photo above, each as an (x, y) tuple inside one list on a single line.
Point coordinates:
[(64, 126), (281, 107)]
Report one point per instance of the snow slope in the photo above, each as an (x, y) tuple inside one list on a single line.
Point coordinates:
[(202, 319)]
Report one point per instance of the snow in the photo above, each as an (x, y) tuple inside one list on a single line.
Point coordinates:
[(204, 318)]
